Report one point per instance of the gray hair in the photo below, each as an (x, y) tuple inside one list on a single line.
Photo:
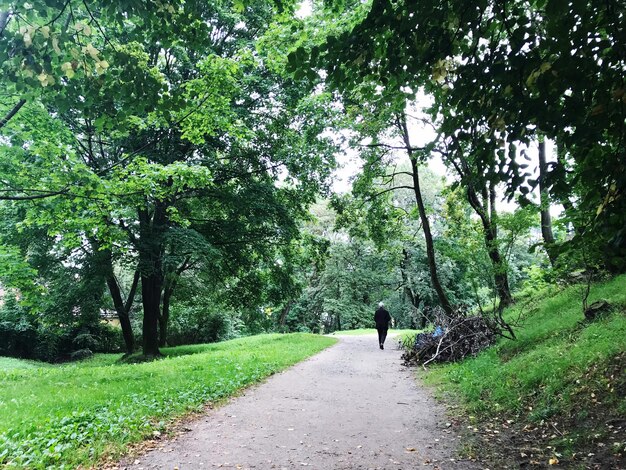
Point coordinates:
[(380, 304)]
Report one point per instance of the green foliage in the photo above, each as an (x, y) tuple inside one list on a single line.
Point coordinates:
[(463, 243), (71, 415), (30, 335), (345, 293), (201, 321), (196, 156), (499, 76)]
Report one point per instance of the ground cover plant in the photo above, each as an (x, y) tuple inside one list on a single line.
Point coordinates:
[(75, 414), (559, 388)]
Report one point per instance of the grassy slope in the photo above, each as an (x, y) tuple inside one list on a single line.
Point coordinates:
[(75, 414), (559, 371)]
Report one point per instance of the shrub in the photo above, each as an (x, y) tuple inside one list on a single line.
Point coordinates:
[(109, 339), (28, 336), (18, 339), (51, 343), (195, 324), (85, 341), (81, 354)]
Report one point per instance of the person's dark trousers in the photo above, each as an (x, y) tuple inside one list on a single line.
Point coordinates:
[(382, 335)]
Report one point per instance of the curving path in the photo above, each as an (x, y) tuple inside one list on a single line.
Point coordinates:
[(351, 406)]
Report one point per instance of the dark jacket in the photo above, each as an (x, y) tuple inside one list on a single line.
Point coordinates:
[(382, 318)]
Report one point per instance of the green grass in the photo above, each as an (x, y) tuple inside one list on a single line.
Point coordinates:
[(10, 363), (75, 414), (554, 366)]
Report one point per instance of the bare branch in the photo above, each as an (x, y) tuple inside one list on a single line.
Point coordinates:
[(380, 193), (106, 39), (12, 113), (59, 14), (40, 195), (393, 147), (396, 173), (4, 20)]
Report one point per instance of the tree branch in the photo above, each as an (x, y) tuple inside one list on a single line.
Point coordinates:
[(12, 113), (59, 14), (393, 147), (42, 195), (4, 20), (380, 193), (131, 294)]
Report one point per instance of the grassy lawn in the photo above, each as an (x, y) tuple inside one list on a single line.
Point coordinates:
[(559, 368), (9, 363), (75, 414)]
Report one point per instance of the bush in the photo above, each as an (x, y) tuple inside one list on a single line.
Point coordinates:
[(18, 338), (51, 343), (195, 324), (85, 341), (28, 336), (81, 354), (109, 339)]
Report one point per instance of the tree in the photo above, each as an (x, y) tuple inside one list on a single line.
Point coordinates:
[(508, 73), (187, 138), (546, 218)]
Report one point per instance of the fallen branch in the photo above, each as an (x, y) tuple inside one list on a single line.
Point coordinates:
[(454, 339)]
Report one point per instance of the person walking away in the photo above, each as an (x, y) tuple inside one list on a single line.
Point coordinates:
[(382, 320)]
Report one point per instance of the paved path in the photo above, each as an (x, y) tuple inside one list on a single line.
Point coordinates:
[(352, 406)]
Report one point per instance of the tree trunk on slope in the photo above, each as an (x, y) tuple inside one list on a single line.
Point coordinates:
[(490, 230), (546, 219)]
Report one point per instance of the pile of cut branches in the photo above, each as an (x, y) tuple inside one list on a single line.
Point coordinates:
[(453, 339)]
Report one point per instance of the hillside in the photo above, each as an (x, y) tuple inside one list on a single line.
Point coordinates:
[(556, 395)]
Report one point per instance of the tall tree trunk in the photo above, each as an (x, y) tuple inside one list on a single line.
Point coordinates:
[(150, 247), (490, 229), (284, 312), (408, 291), (165, 313), (169, 284), (564, 199), (105, 260), (430, 250), (123, 310), (151, 285), (546, 219)]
